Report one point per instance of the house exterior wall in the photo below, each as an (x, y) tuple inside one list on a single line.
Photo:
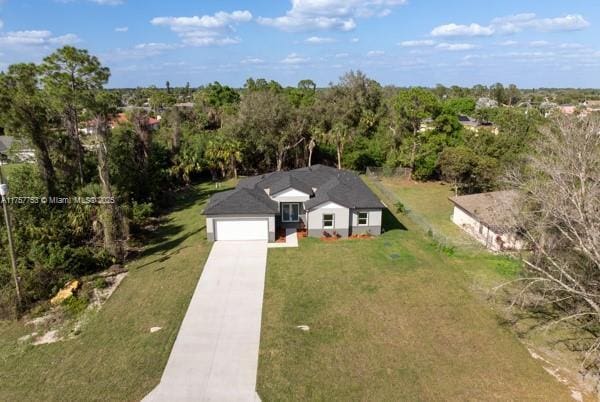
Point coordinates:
[(483, 234), (373, 222), (341, 220), (210, 224)]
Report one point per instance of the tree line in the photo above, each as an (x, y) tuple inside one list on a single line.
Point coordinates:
[(216, 132)]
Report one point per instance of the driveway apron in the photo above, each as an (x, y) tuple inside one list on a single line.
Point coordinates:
[(215, 355)]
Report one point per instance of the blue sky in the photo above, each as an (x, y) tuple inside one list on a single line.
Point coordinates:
[(532, 43)]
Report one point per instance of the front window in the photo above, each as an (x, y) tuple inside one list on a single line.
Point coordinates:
[(363, 218), (328, 221), (290, 212)]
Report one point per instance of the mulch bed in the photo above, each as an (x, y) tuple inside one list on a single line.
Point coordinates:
[(280, 236), (330, 239), (361, 236)]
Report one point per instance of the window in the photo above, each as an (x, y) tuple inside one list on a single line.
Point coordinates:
[(290, 212), (363, 218), (328, 220)]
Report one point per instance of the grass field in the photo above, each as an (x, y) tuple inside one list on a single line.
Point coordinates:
[(116, 357), (430, 200), (391, 318)]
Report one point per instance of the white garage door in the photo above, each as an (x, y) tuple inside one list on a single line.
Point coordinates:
[(243, 229)]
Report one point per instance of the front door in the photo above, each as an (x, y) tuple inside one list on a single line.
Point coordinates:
[(290, 212)]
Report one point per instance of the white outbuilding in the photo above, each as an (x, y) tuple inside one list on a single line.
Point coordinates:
[(489, 218)]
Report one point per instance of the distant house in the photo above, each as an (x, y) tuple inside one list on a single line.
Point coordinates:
[(468, 123), (472, 124), (5, 145), (592, 105), (6, 142), (489, 218), (427, 125), (486, 103), (13, 150), (567, 109), (89, 126), (185, 105)]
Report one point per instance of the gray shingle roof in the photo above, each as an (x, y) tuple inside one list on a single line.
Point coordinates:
[(289, 181), (495, 210), (340, 186), (241, 201)]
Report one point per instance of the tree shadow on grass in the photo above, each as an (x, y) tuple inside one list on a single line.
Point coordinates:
[(193, 196), (165, 231), (390, 222), (167, 245)]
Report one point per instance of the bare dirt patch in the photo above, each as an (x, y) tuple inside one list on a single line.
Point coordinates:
[(56, 324)]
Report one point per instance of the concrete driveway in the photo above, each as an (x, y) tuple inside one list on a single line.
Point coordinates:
[(215, 355)]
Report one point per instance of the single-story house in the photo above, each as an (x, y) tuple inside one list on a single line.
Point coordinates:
[(489, 218), (472, 124), (322, 200)]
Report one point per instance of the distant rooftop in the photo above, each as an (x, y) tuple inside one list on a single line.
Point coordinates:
[(495, 209)]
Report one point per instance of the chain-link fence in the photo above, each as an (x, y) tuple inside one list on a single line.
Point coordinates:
[(399, 172), (397, 205)]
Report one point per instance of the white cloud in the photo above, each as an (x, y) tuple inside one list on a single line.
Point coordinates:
[(207, 22), (513, 24), (521, 22), (138, 52), (1, 24), (417, 43), (294, 58), (342, 55), (338, 15), (154, 46), (456, 47), (109, 2), (62, 40), (539, 43), (121, 29), (508, 43), (36, 38), (318, 40), (574, 22), (462, 30), (193, 40), (571, 46), (354, 40), (252, 60), (375, 53), (206, 30)]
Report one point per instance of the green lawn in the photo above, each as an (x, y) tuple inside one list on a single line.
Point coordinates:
[(116, 357), (391, 318), (430, 200)]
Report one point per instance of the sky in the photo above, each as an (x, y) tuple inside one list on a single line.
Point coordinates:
[(531, 43)]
